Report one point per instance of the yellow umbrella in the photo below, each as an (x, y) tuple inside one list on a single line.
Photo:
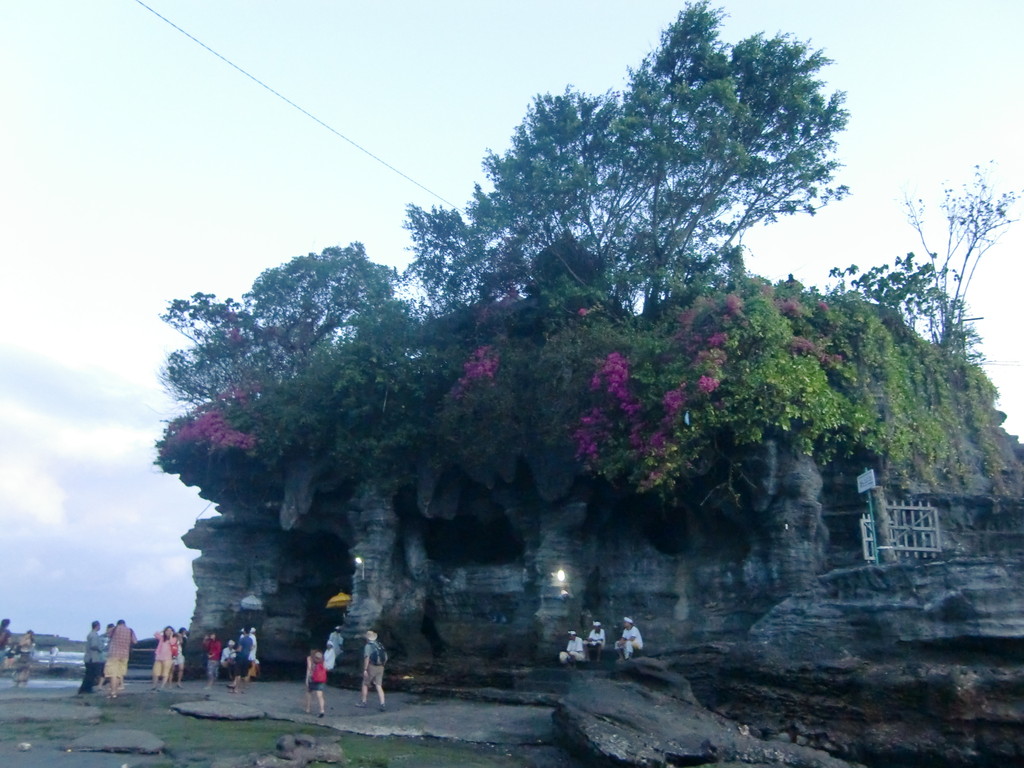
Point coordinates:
[(340, 600)]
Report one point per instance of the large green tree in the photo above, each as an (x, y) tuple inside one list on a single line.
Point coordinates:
[(278, 325), (658, 182)]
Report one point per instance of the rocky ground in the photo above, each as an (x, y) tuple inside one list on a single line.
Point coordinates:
[(639, 713), (193, 726)]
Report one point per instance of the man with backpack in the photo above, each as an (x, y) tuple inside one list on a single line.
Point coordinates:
[(374, 659)]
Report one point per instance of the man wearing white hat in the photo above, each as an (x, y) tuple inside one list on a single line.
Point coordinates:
[(630, 640), (374, 659), (595, 642), (573, 650)]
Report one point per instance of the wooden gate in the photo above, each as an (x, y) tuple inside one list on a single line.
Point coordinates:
[(913, 531)]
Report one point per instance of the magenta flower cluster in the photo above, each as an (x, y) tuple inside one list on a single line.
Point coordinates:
[(717, 340), (708, 384), (790, 307), (592, 431), (481, 366), (673, 401), (804, 346), (733, 305), (211, 427), (613, 377)]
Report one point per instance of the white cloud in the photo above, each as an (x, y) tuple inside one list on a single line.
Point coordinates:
[(159, 575), (107, 442), (29, 497)]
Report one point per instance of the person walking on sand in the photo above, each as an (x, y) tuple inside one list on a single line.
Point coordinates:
[(254, 662), (242, 652), (178, 657), (105, 637), (24, 649), (163, 657), (316, 680), (93, 659), (374, 659), (122, 638), (6, 653), (212, 647), (335, 639)]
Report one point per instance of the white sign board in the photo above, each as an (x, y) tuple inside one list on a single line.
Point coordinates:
[(866, 481)]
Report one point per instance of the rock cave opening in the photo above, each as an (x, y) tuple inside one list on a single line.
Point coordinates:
[(467, 540), (322, 566)]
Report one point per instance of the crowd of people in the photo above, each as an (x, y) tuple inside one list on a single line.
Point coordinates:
[(107, 653), (577, 649), (17, 654)]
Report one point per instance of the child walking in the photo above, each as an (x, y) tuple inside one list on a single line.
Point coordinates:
[(316, 679)]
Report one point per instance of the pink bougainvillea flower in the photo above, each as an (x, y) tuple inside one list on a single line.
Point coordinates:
[(482, 365), (707, 384)]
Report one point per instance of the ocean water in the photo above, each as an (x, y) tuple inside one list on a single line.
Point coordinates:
[(68, 662), (65, 658)]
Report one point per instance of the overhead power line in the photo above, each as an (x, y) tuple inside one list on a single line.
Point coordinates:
[(296, 106)]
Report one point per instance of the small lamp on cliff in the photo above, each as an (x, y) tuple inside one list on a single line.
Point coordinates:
[(362, 567), (561, 583)]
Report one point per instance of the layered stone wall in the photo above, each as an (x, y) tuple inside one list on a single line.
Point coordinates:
[(474, 568)]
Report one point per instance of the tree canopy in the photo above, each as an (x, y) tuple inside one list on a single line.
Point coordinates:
[(590, 312), (658, 182), (280, 323)]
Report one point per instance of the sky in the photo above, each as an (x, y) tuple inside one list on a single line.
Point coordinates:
[(136, 167)]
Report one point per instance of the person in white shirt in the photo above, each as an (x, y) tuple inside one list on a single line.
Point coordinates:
[(573, 650), (595, 642), (631, 641), (227, 659)]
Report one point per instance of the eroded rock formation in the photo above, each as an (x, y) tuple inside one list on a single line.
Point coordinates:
[(754, 586), (474, 564)]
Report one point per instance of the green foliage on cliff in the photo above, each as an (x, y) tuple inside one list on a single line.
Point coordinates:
[(645, 403), (591, 309)]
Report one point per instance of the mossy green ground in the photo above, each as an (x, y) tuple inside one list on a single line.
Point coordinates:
[(197, 742)]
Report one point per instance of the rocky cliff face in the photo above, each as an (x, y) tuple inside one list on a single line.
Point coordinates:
[(753, 585), (474, 563), (474, 566)]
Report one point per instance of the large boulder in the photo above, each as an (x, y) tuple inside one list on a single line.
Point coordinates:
[(653, 720), (890, 664)]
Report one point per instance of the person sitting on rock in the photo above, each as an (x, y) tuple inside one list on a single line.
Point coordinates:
[(595, 642), (227, 659), (573, 650), (630, 642)]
